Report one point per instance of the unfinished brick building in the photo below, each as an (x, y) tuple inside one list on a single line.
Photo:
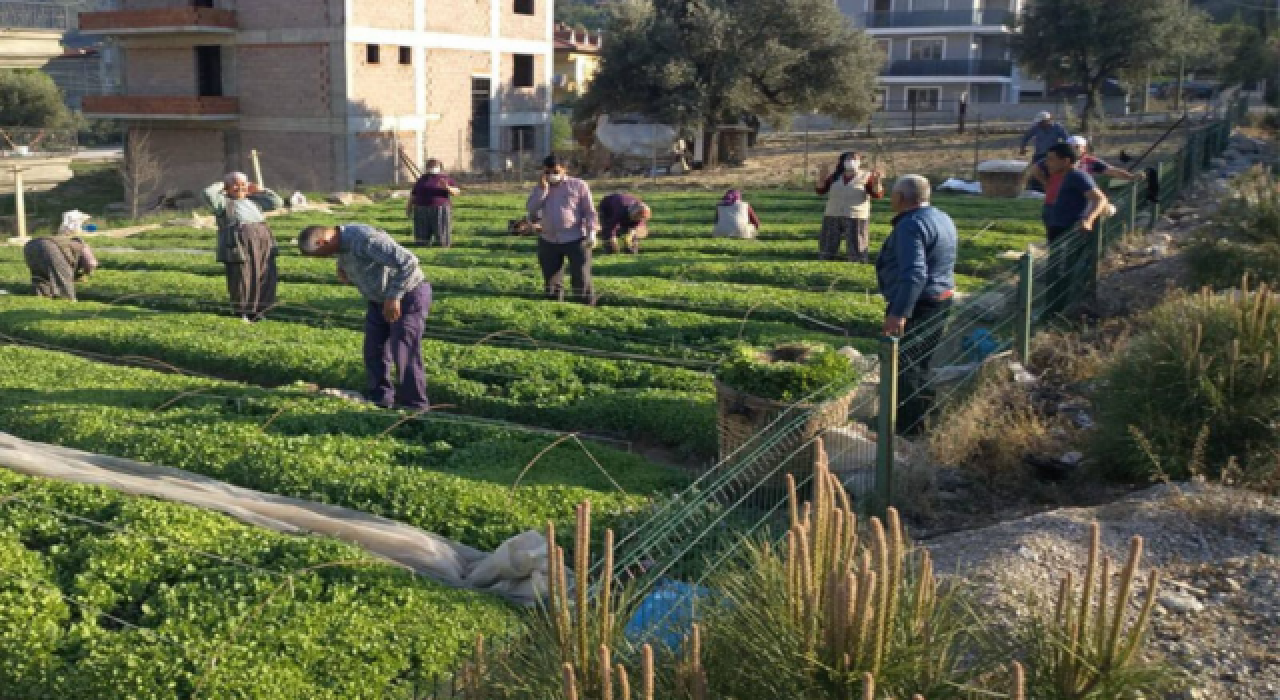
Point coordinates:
[(327, 91)]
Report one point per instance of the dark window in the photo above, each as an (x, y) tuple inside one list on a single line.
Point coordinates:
[(406, 56), (480, 113), (202, 3), (209, 71), (524, 71), (372, 53), (523, 138), (524, 7)]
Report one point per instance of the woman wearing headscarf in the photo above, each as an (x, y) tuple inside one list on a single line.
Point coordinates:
[(735, 218), (849, 191), (245, 243), (56, 263), (431, 206)]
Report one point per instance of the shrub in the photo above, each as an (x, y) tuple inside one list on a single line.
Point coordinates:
[(1205, 362), (791, 372), (1219, 262)]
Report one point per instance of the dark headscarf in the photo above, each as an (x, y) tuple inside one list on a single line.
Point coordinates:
[(839, 172), (731, 197)]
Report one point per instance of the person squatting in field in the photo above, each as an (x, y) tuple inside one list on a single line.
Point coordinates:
[(56, 263), (849, 191), (399, 298), (624, 221), (563, 206), (245, 243)]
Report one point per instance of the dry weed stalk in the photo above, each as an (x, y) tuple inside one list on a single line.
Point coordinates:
[(841, 594), (1096, 639), (1018, 692)]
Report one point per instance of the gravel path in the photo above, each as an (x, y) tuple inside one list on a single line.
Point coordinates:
[(1218, 549)]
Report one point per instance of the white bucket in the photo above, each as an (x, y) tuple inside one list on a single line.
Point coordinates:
[(22, 150)]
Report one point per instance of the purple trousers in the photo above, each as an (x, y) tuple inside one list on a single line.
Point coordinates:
[(393, 352)]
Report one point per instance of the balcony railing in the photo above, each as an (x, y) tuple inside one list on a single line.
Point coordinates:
[(34, 15), (939, 18), (158, 20), (950, 67), (149, 107)]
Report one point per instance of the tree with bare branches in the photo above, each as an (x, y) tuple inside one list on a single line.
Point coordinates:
[(141, 172)]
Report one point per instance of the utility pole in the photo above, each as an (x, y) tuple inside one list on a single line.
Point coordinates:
[(1182, 65)]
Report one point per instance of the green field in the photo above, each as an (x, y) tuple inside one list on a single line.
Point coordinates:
[(165, 374)]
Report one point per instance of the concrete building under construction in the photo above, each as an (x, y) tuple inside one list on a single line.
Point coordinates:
[(329, 91)]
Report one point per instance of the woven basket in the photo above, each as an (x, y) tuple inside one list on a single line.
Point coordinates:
[(742, 416)]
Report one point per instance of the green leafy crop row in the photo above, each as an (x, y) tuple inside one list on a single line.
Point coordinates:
[(445, 476), (640, 401), (140, 608), (189, 283)]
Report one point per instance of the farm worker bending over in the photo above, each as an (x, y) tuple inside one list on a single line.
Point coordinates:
[(623, 216), (399, 297), (245, 243), (849, 192), (431, 206), (735, 218), (916, 273), (1078, 201), (563, 205), (57, 263)]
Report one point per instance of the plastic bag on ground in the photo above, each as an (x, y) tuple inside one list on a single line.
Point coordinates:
[(73, 222), (516, 571)]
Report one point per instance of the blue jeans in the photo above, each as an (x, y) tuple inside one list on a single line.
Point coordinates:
[(393, 352)]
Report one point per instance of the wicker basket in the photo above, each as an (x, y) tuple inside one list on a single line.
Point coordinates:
[(1001, 178), (742, 416)]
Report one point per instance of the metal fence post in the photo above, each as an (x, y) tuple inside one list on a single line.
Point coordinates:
[(1026, 300), (887, 421), (1133, 207), (1155, 205), (1099, 249), (19, 204)]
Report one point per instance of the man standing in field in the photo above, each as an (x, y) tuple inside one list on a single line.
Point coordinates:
[(1043, 134), (245, 242), (563, 205), (1078, 201), (399, 297), (916, 273)]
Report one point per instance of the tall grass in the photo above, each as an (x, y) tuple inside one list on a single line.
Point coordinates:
[(1205, 362), (1247, 240)]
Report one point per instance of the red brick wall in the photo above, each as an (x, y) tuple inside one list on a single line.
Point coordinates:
[(283, 80), (384, 14), (292, 161), (160, 71), (523, 99), (514, 26), (470, 17), (385, 88), (290, 14), (192, 159), (449, 95), (374, 156)]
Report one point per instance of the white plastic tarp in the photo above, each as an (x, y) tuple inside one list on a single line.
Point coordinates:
[(954, 185), (517, 570), (636, 140)]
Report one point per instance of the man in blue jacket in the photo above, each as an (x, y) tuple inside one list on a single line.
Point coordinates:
[(1043, 134), (916, 273)]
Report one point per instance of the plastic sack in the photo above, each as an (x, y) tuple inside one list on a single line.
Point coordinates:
[(297, 200), (73, 222), (666, 615)]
